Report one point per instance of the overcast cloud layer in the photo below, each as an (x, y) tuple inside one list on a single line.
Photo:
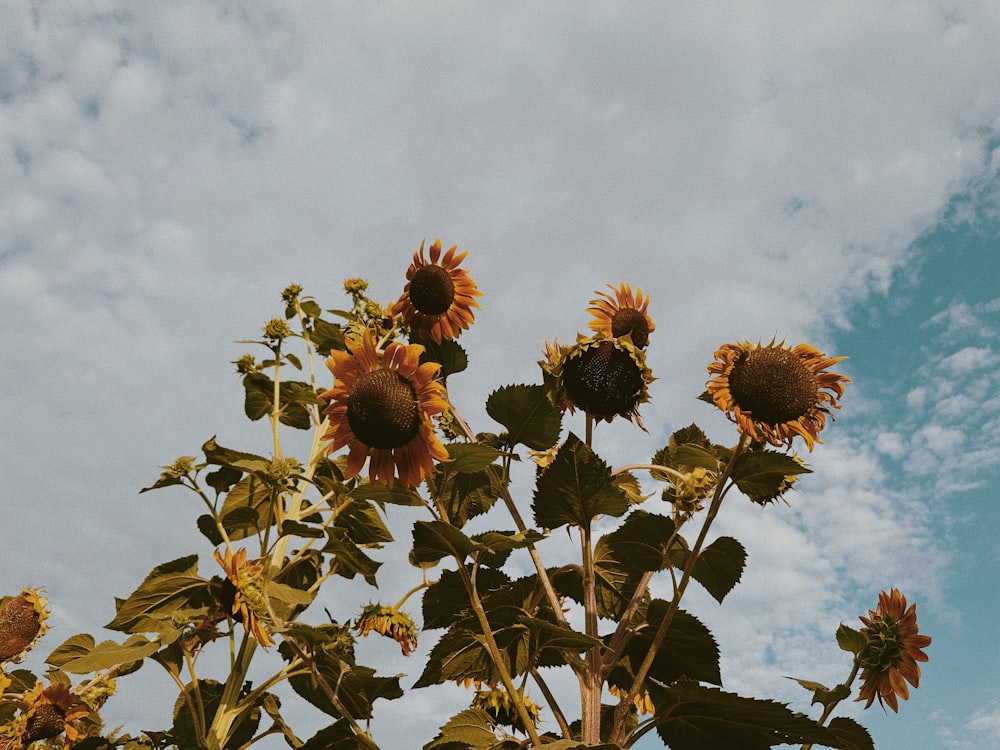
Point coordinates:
[(760, 169)]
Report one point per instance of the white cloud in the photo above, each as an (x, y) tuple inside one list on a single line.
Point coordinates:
[(168, 168)]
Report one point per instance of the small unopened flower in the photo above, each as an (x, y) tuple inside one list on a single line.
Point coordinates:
[(246, 365), (244, 597), (893, 646), (277, 329), (381, 407), (291, 292), (623, 314), (689, 492), (437, 301), (498, 703), (390, 622), (355, 287), (22, 623), (603, 377), (774, 392)]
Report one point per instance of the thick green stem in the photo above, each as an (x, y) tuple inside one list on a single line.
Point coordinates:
[(592, 677)]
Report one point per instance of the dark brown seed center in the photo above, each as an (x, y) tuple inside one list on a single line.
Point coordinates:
[(631, 320), (431, 290), (773, 385), (603, 381), (47, 721), (383, 410)]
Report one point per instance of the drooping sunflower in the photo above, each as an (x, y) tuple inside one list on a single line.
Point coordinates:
[(773, 392), (381, 406), (390, 622), (893, 647), (622, 314), (437, 301), (22, 623), (51, 711), (243, 595), (603, 377)]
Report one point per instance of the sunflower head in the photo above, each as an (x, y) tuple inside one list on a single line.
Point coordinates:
[(773, 392), (437, 301), (51, 711), (22, 623), (381, 407), (603, 377), (893, 646), (243, 596), (620, 313), (390, 622), (498, 704)]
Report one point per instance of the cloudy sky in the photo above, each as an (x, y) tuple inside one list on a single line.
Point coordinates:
[(821, 172)]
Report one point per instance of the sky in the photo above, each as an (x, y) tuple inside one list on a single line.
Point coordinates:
[(818, 172)]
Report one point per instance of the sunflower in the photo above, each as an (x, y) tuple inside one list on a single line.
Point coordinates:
[(437, 301), (22, 623), (622, 314), (51, 711), (243, 594), (774, 392), (603, 377), (893, 648), (390, 622), (381, 406)]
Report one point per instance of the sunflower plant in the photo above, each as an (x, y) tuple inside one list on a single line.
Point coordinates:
[(382, 432)]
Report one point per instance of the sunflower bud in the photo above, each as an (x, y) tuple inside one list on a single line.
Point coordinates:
[(390, 622)]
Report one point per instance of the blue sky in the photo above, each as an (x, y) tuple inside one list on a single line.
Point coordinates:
[(825, 174)]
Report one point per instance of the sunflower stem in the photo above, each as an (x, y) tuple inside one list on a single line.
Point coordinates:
[(828, 708), (591, 678), (621, 712)]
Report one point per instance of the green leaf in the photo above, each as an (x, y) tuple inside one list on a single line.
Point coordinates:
[(528, 415), (852, 735), (337, 736), (363, 523), (575, 488), (446, 600), (185, 732), (247, 508), (243, 462), (497, 545), (206, 525), (109, 654), (692, 717), (762, 475), (304, 530), (695, 456), (688, 650), (326, 336), (434, 540), (348, 559), (465, 496), (850, 639), (471, 729), (171, 586), (449, 354), (641, 542), (382, 494), (720, 566), (72, 648), (468, 458)]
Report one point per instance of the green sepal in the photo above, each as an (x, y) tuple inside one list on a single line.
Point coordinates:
[(575, 488), (528, 415)]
